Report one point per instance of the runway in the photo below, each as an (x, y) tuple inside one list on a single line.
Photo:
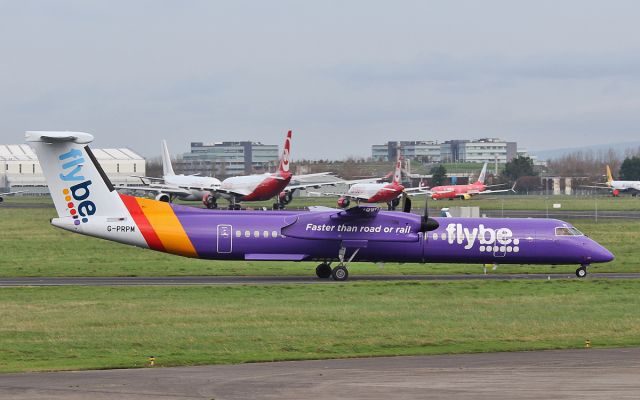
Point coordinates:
[(280, 280), (567, 374)]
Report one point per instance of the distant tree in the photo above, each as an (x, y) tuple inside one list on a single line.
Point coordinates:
[(630, 169), (519, 167), (438, 175)]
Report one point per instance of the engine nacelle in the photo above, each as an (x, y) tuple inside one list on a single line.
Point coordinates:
[(1, 199), (343, 202), (466, 196), (615, 193), (285, 197), (163, 197)]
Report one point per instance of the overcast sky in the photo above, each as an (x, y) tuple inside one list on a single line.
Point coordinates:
[(342, 74)]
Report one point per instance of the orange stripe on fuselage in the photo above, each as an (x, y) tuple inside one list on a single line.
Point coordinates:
[(150, 236), (166, 225)]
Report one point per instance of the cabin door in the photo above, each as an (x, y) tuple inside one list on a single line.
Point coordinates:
[(225, 237)]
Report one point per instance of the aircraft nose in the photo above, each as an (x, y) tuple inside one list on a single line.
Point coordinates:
[(599, 254)]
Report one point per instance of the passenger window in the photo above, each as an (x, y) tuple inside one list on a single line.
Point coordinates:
[(274, 234), (265, 234)]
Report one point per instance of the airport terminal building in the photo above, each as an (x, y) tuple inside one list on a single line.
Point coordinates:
[(20, 169), (451, 151), (224, 159)]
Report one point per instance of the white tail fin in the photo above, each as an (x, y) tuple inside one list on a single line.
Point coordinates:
[(167, 168), (397, 174), (286, 151), (483, 173), (79, 187)]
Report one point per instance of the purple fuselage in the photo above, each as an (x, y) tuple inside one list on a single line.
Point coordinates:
[(384, 236)]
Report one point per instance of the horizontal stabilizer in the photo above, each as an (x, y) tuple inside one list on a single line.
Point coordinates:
[(58, 137)]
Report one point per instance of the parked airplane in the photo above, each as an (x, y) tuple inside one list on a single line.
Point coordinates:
[(369, 192), (617, 187), (266, 186), (465, 192), (235, 189), (172, 186), (87, 203), (7, 194)]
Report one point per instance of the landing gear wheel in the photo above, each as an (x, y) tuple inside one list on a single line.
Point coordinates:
[(340, 273), (323, 271), (212, 204), (581, 272)]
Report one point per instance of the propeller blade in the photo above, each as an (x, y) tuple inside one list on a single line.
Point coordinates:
[(406, 203), (428, 224)]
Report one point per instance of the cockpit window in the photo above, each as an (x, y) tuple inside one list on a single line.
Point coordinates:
[(576, 232), (568, 231)]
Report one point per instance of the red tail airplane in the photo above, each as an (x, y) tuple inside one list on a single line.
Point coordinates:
[(464, 192)]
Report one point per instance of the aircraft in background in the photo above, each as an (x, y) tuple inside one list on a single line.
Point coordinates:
[(390, 193), (87, 203), (617, 187), (465, 192), (172, 186), (7, 194), (235, 189), (261, 187)]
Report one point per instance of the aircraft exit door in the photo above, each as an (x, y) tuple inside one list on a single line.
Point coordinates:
[(225, 237)]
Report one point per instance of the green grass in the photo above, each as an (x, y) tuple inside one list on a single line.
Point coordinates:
[(32, 247), (53, 328), (495, 202)]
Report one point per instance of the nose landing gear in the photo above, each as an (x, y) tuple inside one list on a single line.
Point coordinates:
[(582, 271)]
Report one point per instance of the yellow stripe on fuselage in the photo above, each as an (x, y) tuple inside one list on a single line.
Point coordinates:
[(167, 226)]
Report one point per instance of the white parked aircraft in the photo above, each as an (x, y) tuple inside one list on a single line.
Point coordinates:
[(389, 193), (617, 187), (235, 189), (7, 194), (172, 186)]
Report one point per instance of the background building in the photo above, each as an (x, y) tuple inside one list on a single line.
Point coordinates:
[(225, 159), (450, 151), (479, 150), (20, 169), (427, 151)]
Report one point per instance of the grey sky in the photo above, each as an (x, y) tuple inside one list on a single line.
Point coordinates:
[(342, 74)]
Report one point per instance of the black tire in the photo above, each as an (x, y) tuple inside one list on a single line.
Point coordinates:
[(323, 271), (340, 274), (581, 272)]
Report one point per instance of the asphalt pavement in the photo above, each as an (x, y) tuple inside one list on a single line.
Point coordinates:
[(557, 374)]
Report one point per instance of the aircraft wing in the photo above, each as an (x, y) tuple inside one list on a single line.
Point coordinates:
[(10, 193), (596, 187), (304, 186), (345, 195), (157, 189), (306, 176), (228, 192)]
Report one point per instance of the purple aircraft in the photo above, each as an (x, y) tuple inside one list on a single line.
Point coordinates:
[(87, 203)]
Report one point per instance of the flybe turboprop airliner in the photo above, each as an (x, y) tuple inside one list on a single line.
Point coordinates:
[(87, 203)]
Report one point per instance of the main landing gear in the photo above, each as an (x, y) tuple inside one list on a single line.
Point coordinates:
[(323, 270), (339, 273), (582, 271)]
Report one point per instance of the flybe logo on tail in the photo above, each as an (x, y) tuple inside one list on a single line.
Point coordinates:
[(76, 195)]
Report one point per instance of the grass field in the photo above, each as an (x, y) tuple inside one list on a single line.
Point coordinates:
[(496, 202), (101, 327), (32, 247)]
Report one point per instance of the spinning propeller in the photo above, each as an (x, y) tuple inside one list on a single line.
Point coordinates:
[(426, 224)]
